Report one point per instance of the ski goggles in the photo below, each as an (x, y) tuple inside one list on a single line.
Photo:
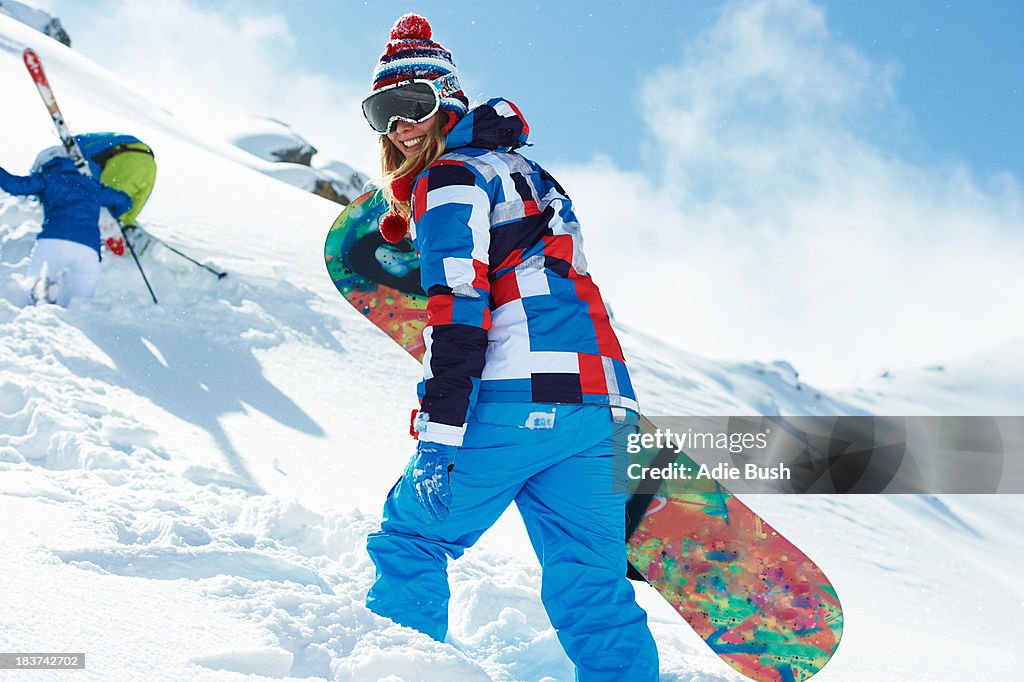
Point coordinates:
[(413, 101)]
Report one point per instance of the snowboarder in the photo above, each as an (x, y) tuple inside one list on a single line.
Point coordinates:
[(524, 385), (125, 163), (66, 258)]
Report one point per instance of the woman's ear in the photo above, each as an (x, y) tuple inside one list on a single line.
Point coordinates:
[(449, 124)]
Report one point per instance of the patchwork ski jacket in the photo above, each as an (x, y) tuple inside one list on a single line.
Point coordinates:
[(512, 313)]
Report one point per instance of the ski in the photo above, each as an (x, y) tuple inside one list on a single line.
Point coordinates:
[(110, 228)]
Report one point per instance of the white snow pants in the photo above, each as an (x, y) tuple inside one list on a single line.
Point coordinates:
[(72, 268)]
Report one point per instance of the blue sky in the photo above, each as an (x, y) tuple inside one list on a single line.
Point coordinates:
[(575, 67), (835, 184)]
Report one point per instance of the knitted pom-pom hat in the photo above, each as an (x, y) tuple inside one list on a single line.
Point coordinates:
[(410, 53)]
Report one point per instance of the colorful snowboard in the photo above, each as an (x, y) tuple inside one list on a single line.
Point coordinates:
[(758, 601)]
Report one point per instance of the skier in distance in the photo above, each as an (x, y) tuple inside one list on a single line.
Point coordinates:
[(125, 163), (66, 258), (525, 386)]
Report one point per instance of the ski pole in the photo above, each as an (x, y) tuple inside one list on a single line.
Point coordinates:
[(220, 275), (142, 272)]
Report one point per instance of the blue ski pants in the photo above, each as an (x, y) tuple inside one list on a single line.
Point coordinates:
[(560, 477)]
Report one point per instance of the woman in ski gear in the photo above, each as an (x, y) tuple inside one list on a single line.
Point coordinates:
[(525, 387), (66, 259)]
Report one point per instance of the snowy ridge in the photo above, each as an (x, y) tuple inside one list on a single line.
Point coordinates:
[(36, 18), (272, 140), (291, 158), (986, 382), (186, 488)]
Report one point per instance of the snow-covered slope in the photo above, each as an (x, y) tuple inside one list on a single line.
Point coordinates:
[(186, 488), (987, 381)]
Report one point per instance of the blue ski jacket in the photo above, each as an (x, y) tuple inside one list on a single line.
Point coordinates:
[(512, 313), (71, 201)]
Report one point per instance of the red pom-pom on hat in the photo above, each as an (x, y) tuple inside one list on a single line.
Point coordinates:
[(411, 26), (393, 227)]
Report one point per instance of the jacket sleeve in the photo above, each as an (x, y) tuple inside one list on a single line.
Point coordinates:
[(21, 185), (117, 201), (451, 211)]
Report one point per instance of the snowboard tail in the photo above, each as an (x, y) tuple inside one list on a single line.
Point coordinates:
[(758, 601)]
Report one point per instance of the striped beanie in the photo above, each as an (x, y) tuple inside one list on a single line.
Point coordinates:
[(410, 53)]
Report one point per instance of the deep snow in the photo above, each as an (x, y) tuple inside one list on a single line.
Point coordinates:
[(186, 488)]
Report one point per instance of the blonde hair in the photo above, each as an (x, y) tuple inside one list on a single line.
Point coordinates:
[(394, 165)]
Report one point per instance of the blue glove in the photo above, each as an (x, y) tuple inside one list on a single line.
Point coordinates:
[(428, 475)]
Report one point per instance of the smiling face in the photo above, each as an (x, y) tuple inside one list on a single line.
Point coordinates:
[(408, 137)]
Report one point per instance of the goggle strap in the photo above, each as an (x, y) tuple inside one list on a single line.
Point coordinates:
[(447, 85)]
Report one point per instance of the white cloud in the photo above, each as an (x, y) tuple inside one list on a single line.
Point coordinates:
[(217, 65), (771, 222)]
